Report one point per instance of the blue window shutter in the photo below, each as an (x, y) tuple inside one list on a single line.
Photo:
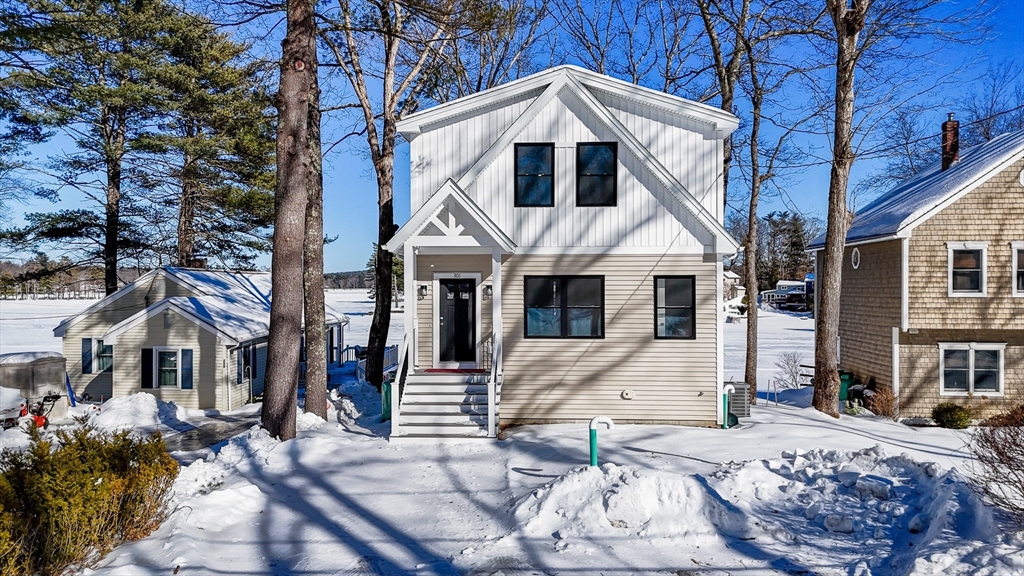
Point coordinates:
[(86, 355), (238, 357), (147, 368), (186, 369)]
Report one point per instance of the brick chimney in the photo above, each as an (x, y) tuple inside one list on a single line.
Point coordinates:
[(950, 142)]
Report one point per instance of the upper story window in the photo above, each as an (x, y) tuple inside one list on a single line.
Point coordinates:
[(564, 306), (967, 274), (971, 368), (1018, 268), (535, 175), (596, 174)]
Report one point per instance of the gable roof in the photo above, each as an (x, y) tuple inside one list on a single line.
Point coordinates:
[(723, 122), (897, 212), (576, 80), (449, 190), (233, 305)]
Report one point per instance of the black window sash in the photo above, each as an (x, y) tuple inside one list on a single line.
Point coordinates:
[(564, 307), (550, 176), (610, 173), (663, 306)]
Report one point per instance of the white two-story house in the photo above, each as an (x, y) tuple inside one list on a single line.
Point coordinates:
[(563, 259)]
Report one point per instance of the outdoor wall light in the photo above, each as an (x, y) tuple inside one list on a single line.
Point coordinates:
[(422, 291), (488, 291)]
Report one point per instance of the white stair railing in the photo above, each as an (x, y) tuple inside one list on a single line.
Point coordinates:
[(404, 360), (492, 390)]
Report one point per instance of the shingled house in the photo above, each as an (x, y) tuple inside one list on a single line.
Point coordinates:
[(932, 297)]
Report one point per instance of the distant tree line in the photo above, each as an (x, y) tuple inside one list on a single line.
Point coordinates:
[(782, 240)]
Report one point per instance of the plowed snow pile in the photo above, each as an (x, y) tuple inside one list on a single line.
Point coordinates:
[(863, 513)]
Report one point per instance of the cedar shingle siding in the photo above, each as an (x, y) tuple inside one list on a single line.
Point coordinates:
[(870, 305)]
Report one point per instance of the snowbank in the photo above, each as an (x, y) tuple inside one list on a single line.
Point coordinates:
[(628, 502), (141, 412)]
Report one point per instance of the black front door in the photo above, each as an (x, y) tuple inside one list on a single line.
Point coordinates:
[(457, 321)]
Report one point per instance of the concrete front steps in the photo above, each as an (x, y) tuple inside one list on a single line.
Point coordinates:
[(444, 405)]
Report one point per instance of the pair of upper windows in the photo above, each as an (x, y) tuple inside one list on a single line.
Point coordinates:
[(968, 270), (595, 174)]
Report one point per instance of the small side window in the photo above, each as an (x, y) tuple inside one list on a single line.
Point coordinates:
[(674, 304), (1017, 277), (535, 175), (596, 174), (967, 274)]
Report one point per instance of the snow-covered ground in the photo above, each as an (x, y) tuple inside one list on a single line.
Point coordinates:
[(27, 325), (777, 333), (789, 491)]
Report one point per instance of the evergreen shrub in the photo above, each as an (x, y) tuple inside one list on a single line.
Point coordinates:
[(949, 415)]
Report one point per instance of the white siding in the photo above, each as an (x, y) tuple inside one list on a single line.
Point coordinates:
[(448, 150), (688, 148), (646, 216)]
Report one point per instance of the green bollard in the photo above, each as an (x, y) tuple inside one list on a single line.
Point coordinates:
[(593, 435)]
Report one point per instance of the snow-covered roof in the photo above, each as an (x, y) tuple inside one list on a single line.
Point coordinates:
[(27, 357), (731, 275), (233, 305), (919, 197)]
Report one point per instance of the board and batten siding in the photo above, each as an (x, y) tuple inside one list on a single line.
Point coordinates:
[(209, 360), (688, 148), (646, 214), (448, 149), (869, 309), (95, 325), (993, 213), (674, 381)]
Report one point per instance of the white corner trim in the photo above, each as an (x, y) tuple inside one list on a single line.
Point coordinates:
[(896, 366), (967, 245), (1000, 346), (905, 283), (719, 344)]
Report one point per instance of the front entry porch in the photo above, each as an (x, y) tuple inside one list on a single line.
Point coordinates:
[(449, 377)]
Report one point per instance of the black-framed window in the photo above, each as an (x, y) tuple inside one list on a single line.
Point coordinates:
[(564, 306), (675, 299), (535, 175), (596, 168), (104, 356)]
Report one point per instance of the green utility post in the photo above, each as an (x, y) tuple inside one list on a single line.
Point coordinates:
[(728, 389), (593, 435)]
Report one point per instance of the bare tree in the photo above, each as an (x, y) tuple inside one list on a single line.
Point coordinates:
[(313, 261), (871, 36), (996, 105), (298, 56)]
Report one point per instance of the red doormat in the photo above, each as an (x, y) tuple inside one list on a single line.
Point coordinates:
[(456, 370)]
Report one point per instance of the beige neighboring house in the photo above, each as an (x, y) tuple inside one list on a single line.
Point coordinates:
[(196, 337), (933, 282), (563, 259)]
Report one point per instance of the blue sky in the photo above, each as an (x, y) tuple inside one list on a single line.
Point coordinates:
[(350, 192)]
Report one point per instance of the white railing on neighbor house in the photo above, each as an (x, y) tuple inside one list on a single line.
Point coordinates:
[(390, 361), (404, 361), (493, 381), (348, 354)]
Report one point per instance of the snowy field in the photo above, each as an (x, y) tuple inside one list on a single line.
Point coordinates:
[(789, 491), (27, 325)]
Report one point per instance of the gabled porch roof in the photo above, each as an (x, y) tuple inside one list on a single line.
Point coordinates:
[(466, 226)]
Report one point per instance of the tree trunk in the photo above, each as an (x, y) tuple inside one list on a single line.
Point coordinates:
[(313, 264), (186, 216), (282, 376), (113, 220), (382, 287), (750, 248), (848, 23)]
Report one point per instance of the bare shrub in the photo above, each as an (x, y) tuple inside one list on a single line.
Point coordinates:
[(883, 403), (787, 373), (998, 449)]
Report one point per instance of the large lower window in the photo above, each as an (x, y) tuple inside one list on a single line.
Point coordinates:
[(971, 368), (967, 268), (564, 306), (596, 174), (166, 368), (674, 304), (535, 175)]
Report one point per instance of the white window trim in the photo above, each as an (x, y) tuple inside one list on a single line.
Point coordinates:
[(943, 346), (1015, 248), (156, 366), (950, 247)]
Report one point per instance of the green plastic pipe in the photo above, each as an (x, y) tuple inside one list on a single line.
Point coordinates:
[(728, 389), (593, 435)]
